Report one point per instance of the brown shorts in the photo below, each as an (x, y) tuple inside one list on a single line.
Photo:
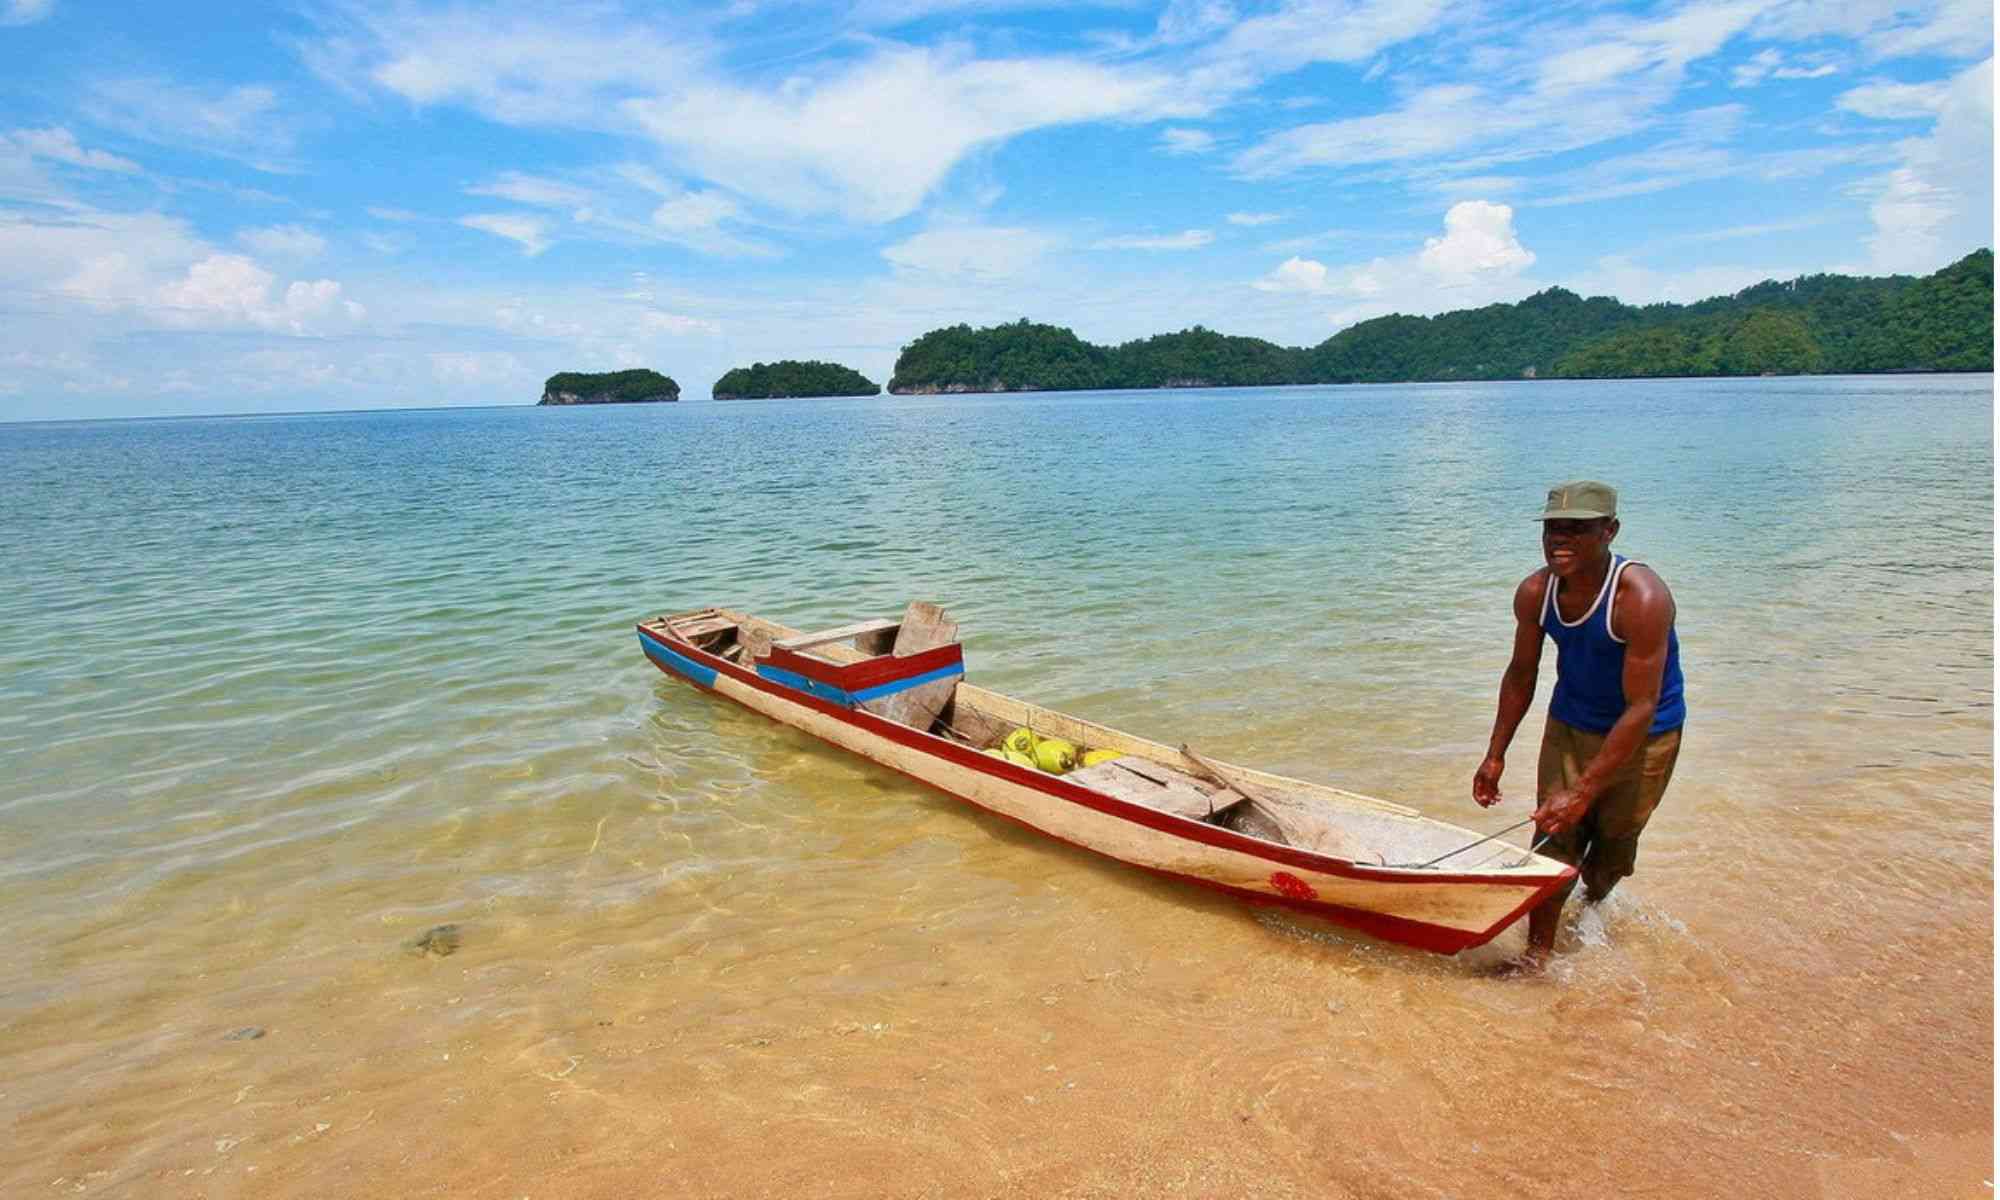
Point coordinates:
[(1604, 846)]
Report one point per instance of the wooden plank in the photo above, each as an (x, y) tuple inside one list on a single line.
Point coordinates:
[(1049, 722), (693, 628), (924, 627), (841, 634), (1180, 797), (973, 727), (755, 643), (1300, 823)]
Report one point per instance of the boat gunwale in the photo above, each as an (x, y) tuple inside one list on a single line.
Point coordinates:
[(1054, 786)]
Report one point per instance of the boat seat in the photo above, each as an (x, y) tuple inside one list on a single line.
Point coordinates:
[(1142, 781), (838, 634)]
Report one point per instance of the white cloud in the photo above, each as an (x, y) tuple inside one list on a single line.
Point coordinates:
[(678, 324), (1557, 86), (230, 290), (532, 190), (476, 368), (987, 252), (25, 12), (242, 122), (518, 64), (291, 242), (530, 232), (1477, 260), (1478, 240), (1301, 32), (1295, 275), (1187, 239), (1253, 218), (690, 212), (872, 139), (1772, 64), (1887, 28), (1617, 275), (393, 214), (60, 145), (1938, 204), (1186, 141), (1889, 101)]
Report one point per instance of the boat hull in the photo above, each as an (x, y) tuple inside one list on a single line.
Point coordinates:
[(1431, 910)]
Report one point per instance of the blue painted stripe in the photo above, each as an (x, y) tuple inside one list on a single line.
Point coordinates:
[(897, 685), (667, 657), (811, 687), (834, 695)]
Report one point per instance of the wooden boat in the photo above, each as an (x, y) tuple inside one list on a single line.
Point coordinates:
[(894, 692)]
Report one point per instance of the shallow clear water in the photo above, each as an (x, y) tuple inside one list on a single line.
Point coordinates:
[(279, 693)]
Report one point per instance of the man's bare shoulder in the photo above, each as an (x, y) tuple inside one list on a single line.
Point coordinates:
[(1643, 598), (1638, 580), (1528, 595)]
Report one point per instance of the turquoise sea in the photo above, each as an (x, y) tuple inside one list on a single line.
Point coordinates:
[(279, 693)]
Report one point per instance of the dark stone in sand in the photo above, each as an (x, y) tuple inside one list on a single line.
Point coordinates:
[(438, 939), (249, 1033)]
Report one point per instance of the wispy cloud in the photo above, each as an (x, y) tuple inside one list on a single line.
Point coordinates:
[(60, 145), (25, 12), (520, 64), (1889, 101), (522, 188), (1187, 239), (1186, 141), (1254, 218), (1939, 198), (525, 230), (289, 242), (976, 251), (1772, 64), (245, 122), (871, 139)]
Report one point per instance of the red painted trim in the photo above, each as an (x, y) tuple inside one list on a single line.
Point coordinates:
[(1439, 938), (852, 677)]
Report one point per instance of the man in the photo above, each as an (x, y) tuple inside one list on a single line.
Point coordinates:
[(1614, 726)]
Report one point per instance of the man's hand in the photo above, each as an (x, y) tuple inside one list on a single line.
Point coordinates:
[(1560, 811), (1486, 781)]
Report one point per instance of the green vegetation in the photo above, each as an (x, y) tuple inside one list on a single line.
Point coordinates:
[(792, 378), (1814, 324), (615, 387)]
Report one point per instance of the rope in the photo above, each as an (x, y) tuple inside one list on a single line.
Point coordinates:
[(1542, 841)]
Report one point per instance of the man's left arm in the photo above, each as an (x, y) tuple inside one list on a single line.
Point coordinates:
[(1646, 610)]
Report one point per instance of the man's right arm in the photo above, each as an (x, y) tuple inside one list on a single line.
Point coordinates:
[(1517, 687)]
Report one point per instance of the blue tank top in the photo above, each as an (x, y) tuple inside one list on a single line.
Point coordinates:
[(1590, 664)]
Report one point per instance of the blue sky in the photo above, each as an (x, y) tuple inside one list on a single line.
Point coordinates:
[(339, 205)]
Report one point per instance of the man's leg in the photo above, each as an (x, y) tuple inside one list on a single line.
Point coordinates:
[(1620, 815), (1562, 760)]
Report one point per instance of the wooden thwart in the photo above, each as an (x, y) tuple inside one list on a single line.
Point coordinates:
[(924, 627), (1149, 784), (841, 634), (1263, 812)]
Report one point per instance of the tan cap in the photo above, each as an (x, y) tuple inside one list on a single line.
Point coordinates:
[(1580, 500)]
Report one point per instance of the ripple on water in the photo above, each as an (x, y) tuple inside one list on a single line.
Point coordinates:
[(276, 696)]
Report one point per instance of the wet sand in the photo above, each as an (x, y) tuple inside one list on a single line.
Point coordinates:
[(929, 1002)]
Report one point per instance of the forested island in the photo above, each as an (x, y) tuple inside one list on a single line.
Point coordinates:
[(641, 386), (1815, 324), (792, 378)]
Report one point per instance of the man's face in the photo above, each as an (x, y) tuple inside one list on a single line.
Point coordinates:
[(1573, 546)]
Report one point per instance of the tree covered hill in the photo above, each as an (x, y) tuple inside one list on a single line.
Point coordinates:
[(792, 378), (641, 386), (1813, 324)]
